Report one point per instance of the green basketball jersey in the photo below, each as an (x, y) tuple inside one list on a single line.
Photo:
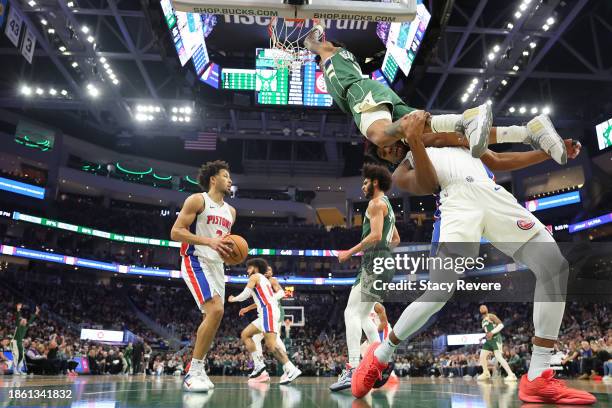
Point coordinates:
[(341, 70), (388, 224), (488, 325)]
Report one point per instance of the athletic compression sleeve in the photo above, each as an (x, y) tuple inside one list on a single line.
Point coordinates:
[(244, 295), (279, 295), (497, 328)]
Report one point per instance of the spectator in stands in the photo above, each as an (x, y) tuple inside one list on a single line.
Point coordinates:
[(571, 365), (20, 332), (586, 360), (5, 364), (515, 362), (36, 360)]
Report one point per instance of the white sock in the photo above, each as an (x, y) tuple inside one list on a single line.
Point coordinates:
[(445, 123), (196, 365), (288, 366), (384, 352), (257, 358), (511, 134), (540, 361)]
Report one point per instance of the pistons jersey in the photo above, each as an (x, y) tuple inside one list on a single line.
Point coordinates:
[(215, 221)]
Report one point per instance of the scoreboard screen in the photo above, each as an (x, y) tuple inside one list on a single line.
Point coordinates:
[(238, 79), (301, 84), (210, 75), (403, 41)]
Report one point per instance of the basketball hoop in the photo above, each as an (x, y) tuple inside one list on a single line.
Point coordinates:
[(287, 36)]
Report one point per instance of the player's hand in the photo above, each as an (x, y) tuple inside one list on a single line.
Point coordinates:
[(573, 148), (37, 310), (489, 336), (412, 125), (19, 306), (231, 299), (343, 256), (242, 311), (222, 246)]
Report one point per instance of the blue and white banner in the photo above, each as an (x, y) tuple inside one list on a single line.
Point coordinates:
[(553, 201), (22, 188), (592, 223)]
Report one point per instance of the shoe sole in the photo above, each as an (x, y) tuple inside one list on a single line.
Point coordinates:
[(550, 127), (195, 391), (255, 375), (479, 147), (340, 387), (569, 401)]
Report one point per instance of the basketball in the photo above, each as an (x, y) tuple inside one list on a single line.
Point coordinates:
[(239, 252)]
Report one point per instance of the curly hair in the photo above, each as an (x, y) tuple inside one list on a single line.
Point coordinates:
[(378, 173), (259, 263), (210, 169)]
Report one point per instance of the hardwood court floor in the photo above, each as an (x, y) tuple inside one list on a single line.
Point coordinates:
[(139, 391)]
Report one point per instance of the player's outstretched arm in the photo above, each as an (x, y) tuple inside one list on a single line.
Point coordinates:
[(247, 309), (509, 161), (248, 290)]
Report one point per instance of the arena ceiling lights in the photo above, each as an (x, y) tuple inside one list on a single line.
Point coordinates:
[(179, 112), (503, 54)]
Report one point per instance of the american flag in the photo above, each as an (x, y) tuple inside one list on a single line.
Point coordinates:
[(204, 141)]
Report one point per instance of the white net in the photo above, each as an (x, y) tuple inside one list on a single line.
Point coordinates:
[(287, 37)]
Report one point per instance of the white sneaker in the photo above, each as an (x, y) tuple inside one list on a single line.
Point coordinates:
[(476, 124), (543, 136), (290, 375), (257, 370), (195, 382), (207, 380), (261, 378), (510, 378), (607, 378), (451, 375), (483, 377)]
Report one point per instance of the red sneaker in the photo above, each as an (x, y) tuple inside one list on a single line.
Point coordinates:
[(547, 389), (369, 370)]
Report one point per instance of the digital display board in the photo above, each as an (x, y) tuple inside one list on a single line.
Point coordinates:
[(25, 189), (592, 223), (190, 29), (380, 77), (315, 90), (210, 76), (604, 134), (390, 67), (557, 200), (239, 79), (403, 41), (188, 33)]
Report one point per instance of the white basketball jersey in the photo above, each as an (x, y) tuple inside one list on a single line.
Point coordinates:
[(263, 295), (454, 164), (215, 221)]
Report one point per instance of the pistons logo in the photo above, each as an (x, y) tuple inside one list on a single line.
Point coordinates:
[(525, 224)]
